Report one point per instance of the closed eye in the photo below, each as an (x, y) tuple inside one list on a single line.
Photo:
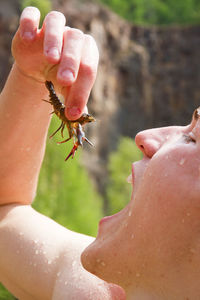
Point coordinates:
[(188, 138)]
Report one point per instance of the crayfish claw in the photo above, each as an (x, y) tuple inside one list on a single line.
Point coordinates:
[(72, 153)]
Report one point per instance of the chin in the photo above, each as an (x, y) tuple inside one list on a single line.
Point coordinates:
[(89, 260)]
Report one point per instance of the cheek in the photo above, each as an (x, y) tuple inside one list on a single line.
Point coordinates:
[(171, 176)]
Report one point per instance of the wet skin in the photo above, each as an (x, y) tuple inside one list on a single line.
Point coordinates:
[(155, 238)]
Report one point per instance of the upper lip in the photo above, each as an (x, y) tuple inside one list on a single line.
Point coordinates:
[(139, 167)]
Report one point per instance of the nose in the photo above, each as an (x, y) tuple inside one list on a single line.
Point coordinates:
[(149, 141)]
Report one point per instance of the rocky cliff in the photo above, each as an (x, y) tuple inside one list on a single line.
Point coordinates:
[(148, 76)]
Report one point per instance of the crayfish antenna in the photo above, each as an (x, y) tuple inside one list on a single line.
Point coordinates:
[(90, 143)]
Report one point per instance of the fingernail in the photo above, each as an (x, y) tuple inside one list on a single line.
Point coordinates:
[(28, 35), (53, 52), (73, 111), (67, 75)]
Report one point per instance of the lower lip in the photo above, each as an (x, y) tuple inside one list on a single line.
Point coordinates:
[(108, 218)]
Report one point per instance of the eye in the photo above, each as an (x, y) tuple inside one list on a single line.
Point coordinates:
[(188, 138)]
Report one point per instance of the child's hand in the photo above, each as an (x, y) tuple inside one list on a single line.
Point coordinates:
[(58, 53)]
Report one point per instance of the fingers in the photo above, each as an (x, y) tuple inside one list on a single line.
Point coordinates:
[(71, 56), (80, 90), (29, 23), (54, 24)]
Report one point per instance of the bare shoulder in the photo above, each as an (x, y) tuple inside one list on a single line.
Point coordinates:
[(46, 255)]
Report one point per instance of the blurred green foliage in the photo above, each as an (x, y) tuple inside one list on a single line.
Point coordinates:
[(118, 191), (157, 12), (43, 5), (4, 294)]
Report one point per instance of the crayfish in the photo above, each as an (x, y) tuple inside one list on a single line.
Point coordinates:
[(74, 127)]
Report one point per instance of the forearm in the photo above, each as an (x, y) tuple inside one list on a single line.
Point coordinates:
[(24, 120)]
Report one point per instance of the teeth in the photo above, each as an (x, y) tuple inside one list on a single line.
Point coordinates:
[(129, 178)]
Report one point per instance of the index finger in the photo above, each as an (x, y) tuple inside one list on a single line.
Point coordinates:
[(29, 22), (79, 92)]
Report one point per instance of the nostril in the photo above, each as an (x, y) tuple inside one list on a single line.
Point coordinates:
[(147, 143)]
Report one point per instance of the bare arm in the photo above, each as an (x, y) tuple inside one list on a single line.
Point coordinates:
[(39, 258), (24, 117)]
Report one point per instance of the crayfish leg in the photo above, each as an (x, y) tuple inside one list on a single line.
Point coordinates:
[(64, 141), (56, 130), (63, 126)]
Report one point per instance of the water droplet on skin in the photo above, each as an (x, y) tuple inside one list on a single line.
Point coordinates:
[(129, 178), (125, 224), (130, 213), (65, 282), (36, 252), (188, 214), (102, 263), (73, 263), (35, 241), (132, 236), (17, 251), (58, 274), (98, 260), (21, 233), (182, 161), (119, 272), (49, 262), (137, 274)]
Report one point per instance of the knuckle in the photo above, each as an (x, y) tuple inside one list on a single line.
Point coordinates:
[(88, 70), (77, 33), (69, 59)]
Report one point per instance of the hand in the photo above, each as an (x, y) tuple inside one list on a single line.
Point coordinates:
[(58, 53)]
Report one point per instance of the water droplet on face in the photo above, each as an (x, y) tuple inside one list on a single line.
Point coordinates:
[(73, 263), (65, 282), (132, 236), (182, 161), (49, 262), (36, 252), (58, 274), (21, 233), (137, 274)]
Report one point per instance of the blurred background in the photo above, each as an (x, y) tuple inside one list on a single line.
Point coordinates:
[(149, 76)]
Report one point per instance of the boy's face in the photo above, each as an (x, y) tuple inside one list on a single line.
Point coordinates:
[(156, 233)]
